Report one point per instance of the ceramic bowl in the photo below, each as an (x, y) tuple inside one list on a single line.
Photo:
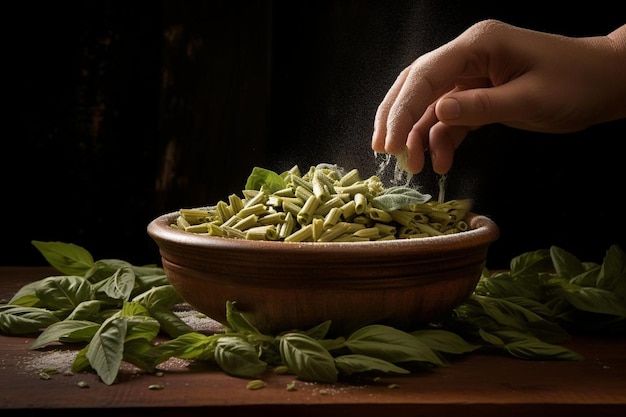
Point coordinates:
[(283, 286)]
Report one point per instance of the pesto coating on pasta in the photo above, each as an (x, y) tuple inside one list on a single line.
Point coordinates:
[(324, 204)]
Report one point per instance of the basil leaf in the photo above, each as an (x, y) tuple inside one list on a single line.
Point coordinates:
[(67, 258), (593, 300), (106, 349), (187, 346), (306, 358), (238, 357), (538, 350), (391, 344), (118, 286), (64, 292), (238, 322), (70, 330), (444, 341), (531, 263), (264, 178), (351, 364), (24, 320), (565, 264)]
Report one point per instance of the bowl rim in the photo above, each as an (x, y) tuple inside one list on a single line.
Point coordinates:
[(482, 231)]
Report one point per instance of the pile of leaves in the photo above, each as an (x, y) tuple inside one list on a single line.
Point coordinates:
[(117, 312)]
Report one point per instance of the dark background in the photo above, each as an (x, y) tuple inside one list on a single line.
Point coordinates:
[(118, 112)]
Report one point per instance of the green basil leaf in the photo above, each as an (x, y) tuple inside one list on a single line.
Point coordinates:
[(565, 264), (239, 322), (351, 364), (26, 296), (118, 286), (67, 258), (24, 320), (87, 310), (70, 330), (613, 273), (390, 344), (264, 178), (593, 300), (106, 349), (171, 324), (444, 341), (64, 292), (238, 357), (163, 296), (306, 358), (531, 263), (538, 350), (187, 346)]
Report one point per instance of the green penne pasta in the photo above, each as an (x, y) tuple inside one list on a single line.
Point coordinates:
[(198, 228), (326, 206), (259, 198), (236, 203), (461, 225), (233, 233), (182, 223), (349, 178), (246, 223), (272, 218), (364, 220), (370, 233), (354, 227), (332, 217), (348, 210), (322, 204), (303, 193), (350, 238), (305, 215), (386, 229), (258, 209), (317, 229), (359, 187), (224, 211), (291, 207), (334, 232), (195, 216), (215, 230), (301, 234), (379, 215), (267, 232), (299, 181), (404, 217), (285, 192), (287, 227), (231, 221), (425, 228), (439, 217), (360, 203)]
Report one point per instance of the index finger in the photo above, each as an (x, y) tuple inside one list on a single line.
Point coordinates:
[(417, 87)]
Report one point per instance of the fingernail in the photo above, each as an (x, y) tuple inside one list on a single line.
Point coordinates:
[(449, 109)]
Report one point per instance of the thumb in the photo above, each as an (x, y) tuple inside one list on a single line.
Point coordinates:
[(482, 106)]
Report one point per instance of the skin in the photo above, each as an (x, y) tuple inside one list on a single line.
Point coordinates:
[(498, 73)]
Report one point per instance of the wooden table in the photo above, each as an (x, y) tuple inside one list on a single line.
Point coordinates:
[(478, 384)]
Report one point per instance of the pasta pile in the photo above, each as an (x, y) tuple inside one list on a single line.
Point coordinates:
[(325, 205)]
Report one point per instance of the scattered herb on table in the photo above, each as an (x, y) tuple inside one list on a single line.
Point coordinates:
[(114, 311)]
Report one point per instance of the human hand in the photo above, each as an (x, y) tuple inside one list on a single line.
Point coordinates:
[(498, 73)]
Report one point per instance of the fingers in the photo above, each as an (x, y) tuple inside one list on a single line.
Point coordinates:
[(382, 114)]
